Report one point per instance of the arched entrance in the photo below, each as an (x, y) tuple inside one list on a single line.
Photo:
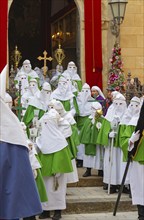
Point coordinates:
[(32, 24)]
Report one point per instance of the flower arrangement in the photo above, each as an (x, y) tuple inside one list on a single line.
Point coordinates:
[(116, 77)]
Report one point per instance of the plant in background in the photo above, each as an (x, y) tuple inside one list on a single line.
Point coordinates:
[(116, 77)]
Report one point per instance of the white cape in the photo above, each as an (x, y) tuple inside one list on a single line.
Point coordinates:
[(51, 139), (11, 130)]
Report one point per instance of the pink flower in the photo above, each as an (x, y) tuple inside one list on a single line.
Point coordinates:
[(117, 88)]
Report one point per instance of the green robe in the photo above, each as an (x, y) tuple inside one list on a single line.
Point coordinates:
[(79, 84), (120, 132), (103, 136), (58, 162), (88, 136), (29, 115), (124, 139), (139, 155), (41, 186), (73, 141), (80, 121), (67, 106)]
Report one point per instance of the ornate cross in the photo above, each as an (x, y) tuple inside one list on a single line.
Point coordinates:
[(45, 58)]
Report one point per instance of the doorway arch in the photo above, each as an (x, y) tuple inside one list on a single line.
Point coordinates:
[(81, 48)]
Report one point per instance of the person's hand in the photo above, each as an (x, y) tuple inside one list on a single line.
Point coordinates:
[(130, 154), (135, 137), (112, 134), (35, 174)]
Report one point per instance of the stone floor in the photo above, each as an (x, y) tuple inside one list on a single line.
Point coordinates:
[(88, 196), (95, 200), (86, 200), (102, 216)]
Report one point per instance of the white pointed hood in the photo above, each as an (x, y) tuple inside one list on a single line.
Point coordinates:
[(10, 127), (3, 83), (83, 100), (51, 139)]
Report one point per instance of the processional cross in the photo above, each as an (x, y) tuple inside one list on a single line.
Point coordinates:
[(45, 58)]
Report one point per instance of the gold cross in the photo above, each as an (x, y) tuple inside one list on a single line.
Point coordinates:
[(45, 58)]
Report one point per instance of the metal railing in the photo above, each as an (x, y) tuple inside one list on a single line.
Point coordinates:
[(133, 88)]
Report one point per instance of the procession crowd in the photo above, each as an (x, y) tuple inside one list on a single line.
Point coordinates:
[(65, 125)]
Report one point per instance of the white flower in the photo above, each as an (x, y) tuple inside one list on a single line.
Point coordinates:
[(98, 125)]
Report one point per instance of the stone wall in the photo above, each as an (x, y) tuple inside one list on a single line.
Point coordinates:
[(132, 39)]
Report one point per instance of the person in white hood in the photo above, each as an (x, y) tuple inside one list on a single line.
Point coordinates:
[(133, 143), (37, 105), (18, 190), (56, 162), (106, 136), (84, 101)]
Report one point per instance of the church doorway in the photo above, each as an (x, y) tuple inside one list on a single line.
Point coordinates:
[(38, 25)]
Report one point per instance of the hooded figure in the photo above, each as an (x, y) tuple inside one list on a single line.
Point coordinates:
[(130, 125), (93, 157), (56, 162), (27, 68), (64, 94), (33, 86), (40, 75), (135, 145), (108, 132), (25, 74), (56, 75), (127, 120), (97, 94), (37, 103), (72, 72), (23, 78), (84, 101), (68, 127), (18, 190), (26, 97), (4, 95)]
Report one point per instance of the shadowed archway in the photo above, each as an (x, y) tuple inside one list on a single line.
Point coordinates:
[(30, 28)]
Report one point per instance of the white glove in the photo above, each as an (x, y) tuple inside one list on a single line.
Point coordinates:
[(134, 137), (35, 174), (112, 134)]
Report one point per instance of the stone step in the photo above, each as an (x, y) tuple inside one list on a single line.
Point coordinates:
[(101, 216), (93, 180), (95, 200)]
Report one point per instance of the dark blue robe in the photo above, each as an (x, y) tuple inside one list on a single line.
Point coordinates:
[(18, 193)]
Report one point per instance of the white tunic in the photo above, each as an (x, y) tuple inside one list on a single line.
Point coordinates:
[(56, 198), (113, 166), (50, 142), (95, 162), (137, 183)]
